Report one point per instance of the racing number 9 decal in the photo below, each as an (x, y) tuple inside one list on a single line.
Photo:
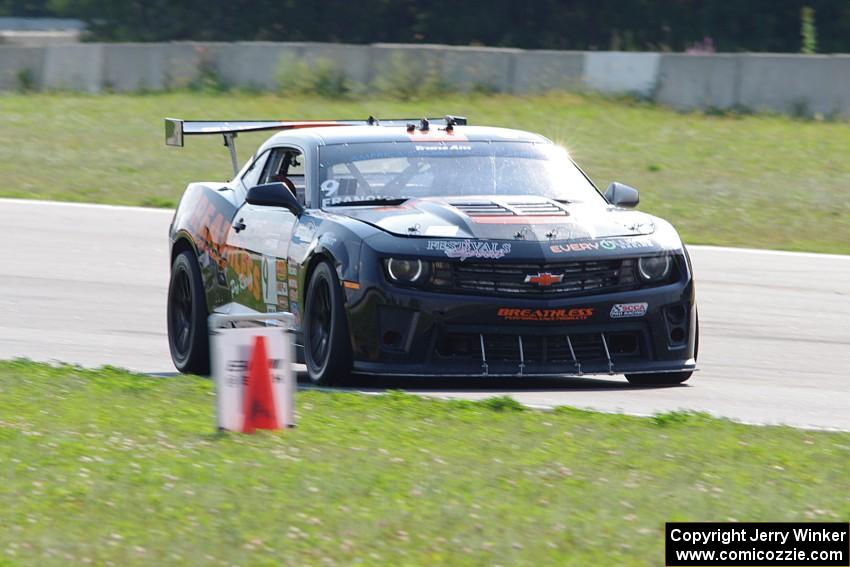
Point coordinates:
[(330, 187), (269, 281)]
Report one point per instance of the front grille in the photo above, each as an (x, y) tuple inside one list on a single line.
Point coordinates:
[(575, 349), (576, 278)]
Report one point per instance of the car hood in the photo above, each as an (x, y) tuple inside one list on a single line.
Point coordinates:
[(522, 217)]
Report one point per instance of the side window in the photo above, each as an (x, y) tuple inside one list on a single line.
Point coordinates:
[(251, 178), (286, 165)]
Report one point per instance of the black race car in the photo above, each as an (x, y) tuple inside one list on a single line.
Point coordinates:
[(429, 248)]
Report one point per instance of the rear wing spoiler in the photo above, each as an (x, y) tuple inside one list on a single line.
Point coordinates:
[(176, 129)]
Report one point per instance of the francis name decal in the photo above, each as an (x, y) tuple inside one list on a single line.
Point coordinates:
[(463, 249)]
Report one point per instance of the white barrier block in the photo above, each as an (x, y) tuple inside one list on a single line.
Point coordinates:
[(231, 351)]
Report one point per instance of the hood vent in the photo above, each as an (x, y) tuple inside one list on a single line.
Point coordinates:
[(483, 209), (547, 209), (540, 208)]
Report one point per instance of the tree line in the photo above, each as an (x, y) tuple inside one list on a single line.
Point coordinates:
[(631, 25)]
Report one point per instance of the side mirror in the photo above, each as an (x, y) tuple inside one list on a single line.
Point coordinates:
[(274, 195), (621, 195)]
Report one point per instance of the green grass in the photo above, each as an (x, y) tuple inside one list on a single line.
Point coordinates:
[(753, 180), (108, 467)]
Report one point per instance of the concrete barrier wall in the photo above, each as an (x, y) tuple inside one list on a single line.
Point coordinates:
[(479, 68), (621, 72), (797, 84), (249, 64), (536, 71), (77, 67), (20, 66), (140, 66), (690, 82)]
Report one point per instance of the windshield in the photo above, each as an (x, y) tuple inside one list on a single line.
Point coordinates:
[(389, 171)]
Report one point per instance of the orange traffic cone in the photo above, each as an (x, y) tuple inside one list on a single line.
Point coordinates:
[(258, 400)]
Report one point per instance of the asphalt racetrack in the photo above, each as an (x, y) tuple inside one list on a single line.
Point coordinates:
[(86, 284)]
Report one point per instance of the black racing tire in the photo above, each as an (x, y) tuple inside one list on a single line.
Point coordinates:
[(327, 350), (665, 378), (188, 338)]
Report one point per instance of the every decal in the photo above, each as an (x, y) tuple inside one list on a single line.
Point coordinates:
[(576, 314), (606, 244), (464, 249), (623, 310)]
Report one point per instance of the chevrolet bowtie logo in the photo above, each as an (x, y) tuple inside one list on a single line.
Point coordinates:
[(544, 279)]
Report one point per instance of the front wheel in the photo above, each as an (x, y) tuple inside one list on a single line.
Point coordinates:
[(327, 350), (187, 317)]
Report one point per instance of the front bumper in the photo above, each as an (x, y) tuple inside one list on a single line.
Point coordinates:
[(408, 332)]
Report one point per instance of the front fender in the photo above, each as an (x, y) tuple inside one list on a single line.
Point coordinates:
[(341, 253), (320, 236)]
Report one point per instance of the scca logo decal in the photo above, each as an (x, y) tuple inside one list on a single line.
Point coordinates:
[(578, 314)]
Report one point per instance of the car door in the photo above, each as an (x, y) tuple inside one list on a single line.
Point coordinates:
[(258, 239)]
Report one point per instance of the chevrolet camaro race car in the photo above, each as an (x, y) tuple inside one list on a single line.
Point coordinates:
[(429, 248)]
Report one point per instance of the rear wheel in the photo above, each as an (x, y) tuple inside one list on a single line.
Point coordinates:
[(327, 350), (187, 316)]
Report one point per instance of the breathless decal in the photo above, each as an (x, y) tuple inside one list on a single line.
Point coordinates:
[(463, 249), (577, 314), (623, 310)]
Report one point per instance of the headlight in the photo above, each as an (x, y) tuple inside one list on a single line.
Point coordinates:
[(405, 271), (654, 268)]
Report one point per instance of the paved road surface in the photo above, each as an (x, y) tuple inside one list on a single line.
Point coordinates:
[(87, 284)]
